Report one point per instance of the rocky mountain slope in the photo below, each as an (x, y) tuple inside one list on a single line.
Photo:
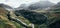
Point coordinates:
[(52, 20)]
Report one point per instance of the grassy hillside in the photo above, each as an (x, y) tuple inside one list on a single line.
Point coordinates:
[(4, 22)]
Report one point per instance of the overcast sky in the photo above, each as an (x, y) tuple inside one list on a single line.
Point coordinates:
[(16, 3)]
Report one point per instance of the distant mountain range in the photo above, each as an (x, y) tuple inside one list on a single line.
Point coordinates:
[(37, 5), (41, 5)]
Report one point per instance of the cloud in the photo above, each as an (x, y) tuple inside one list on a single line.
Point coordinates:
[(54, 1), (17, 3)]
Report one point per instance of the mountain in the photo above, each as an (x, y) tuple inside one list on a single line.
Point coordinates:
[(22, 6), (4, 21), (55, 8), (7, 7), (9, 20), (2, 9), (3, 18), (57, 5), (41, 5), (54, 13), (37, 5), (53, 21)]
